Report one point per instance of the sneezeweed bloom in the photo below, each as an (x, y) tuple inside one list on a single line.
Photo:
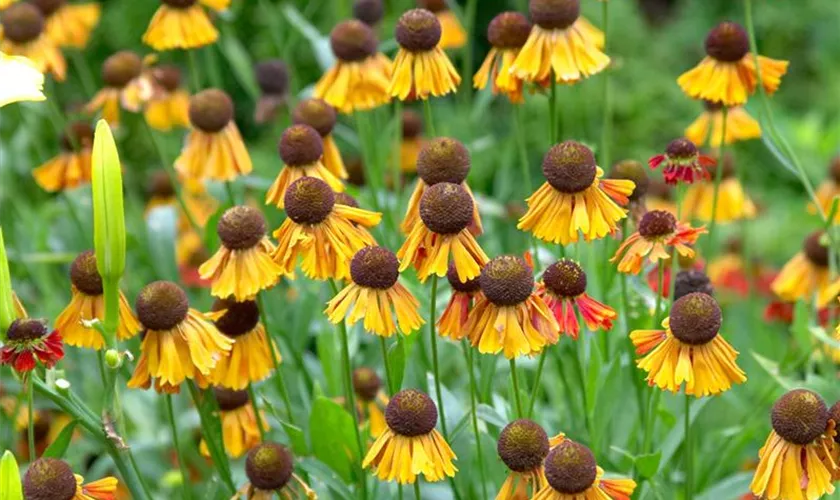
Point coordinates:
[(657, 232), (563, 289), (690, 350), (509, 316), (178, 343), (127, 85), (452, 33), (240, 429), (728, 74), (183, 24), (575, 198), (369, 12), (242, 267), (454, 317), (27, 342), (24, 35), (375, 294), (270, 468), (807, 274), (573, 474), (72, 167), (708, 127), (325, 234), (24, 81), (359, 79), (682, 162), (273, 79), (692, 281), (522, 446), (561, 45), (321, 116), (507, 34), (797, 460), (412, 141), (828, 190), (446, 211), (250, 358), (733, 203), (53, 478), (69, 24), (214, 148), (88, 303), (302, 151), (168, 108), (368, 388), (421, 68), (442, 159), (410, 445)]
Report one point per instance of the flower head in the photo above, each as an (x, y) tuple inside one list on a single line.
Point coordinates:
[(691, 281), (29, 341), (319, 115), (24, 34), (371, 400), (72, 167), (369, 12), (657, 230), (25, 82), (272, 77), (507, 34), (240, 427), (464, 293), (564, 291), (53, 478), (183, 24), (412, 141), (709, 126), (828, 190), (572, 472), (634, 171), (733, 203), (127, 85), (69, 24), (270, 469), (682, 162), (807, 274), (523, 446), (169, 105)]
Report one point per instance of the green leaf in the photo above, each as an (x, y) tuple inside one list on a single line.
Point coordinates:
[(7, 306), (318, 471), (211, 237), (162, 224), (10, 487), (240, 64), (58, 448), (648, 464), (490, 415), (333, 438), (593, 373), (396, 363), (735, 484), (676, 437), (772, 368), (108, 209), (327, 354)]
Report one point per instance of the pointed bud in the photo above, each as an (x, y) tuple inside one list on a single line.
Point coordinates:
[(7, 304)]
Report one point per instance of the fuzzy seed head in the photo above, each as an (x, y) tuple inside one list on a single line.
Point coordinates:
[(727, 42), (269, 466), (692, 281), (22, 22), (471, 286), (241, 227), (317, 114), (681, 149), (168, 76), (554, 14), (632, 170), (48, 7), (211, 110), (83, 274), (569, 167), (77, 135), (120, 68), (309, 200), (523, 445), (239, 318), (301, 145), (161, 305), (25, 329), (570, 468), (418, 30), (272, 77), (800, 416), (49, 479), (375, 267), (507, 280), (346, 200), (433, 5), (443, 160), (815, 251), (446, 208), (695, 318), (657, 223), (565, 278), (411, 413), (179, 4), (412, 124), (369, 12), (508, 30), (366, 383), (230, 400), (160, 185), (353, 41)]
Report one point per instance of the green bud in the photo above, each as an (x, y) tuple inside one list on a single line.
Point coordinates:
[(10, 486), (113, 359), (7, 301)]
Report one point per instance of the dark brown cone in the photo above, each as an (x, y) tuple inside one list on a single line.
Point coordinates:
[(692, 281), (48, 7), (241, 227), (681, 149), (160, 185), (366, 383), (239, 318), (471, 286), (508, 30), (120, 68), (77, 135), (446, 208), (411, 413), (22, 22), (309, 200), (565, 278), (727, 42), (369, 12), (569, 167), (523, 445), (161, 305), (345, 199), (834, 170), (657, 223), (443, 160), (24, 329), (632, 170), (230, 400), (507, 280), (375, 267), (301, 145), (834, 414), (211, 110), (800, 416), (49, 479), (168, 76), (554, 14), (570, 468), (418, 30), (695, 318), (352, 41), (317, 114), (412, 124), (269, 466), (84, 275), (815, 251), (272, 77)]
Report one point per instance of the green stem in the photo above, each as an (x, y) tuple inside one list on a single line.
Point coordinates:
[(182, 464), (83, 69), (474, 416), (689, 458), (435, 362), (660, 284), (515, 381), (389, 380), (535, 392), (552, 113), (632, 372), (522, 150), (74, 214), (429, 118), (417, 495), (278, 374), (369, 164), (396, 168), (252, 395), (30, 431), (230, 194), (606, 130), (710, 250), (467, 61), (195, 76), (217, 452)]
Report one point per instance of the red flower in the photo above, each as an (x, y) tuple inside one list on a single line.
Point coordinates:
[(683, 162), (563, 289), (28, 341)]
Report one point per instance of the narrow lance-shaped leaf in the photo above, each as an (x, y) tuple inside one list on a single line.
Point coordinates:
[(10, 487), (7, 305)]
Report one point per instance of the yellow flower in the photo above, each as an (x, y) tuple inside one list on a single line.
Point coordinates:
[(168, 107), (375, 294), (728, 74), (452, 33), (561, 42), (324, 233), (798, 460), (250, 359), (24, 35), (733, 203), (178, 344), (421, 67), (507, 34), (242, 267), (523, 446), (214, 148), (807, 275), (370, 399), (22, 80), (690, 350), (68, 24), (464, 296), (53, 478), (410, 445), (270, 470), (302, 151), (72, 167), (657, 231), (359, 79), (740, 126), (240, 429), (183, 24), (575, 199), (573, 474), (127, 85), (319, 115), (87, 304), (828, 190)]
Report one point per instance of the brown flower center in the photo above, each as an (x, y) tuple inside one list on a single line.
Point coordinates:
[(411, 413), (25, 329), (317, 114), (570, 468), (471, 286), (657, 223), (800, 416), (712, 106), (507, 280), (49, 479), (168, 76), (418, 30), (241, 227), (695, 318), (162, 305), (681, 149), (48, 7), (120, 68), (269, 466), (692, 281), (301, 145), (834, 170), (446, 208), (554, 14), (352, 41), (508, 30), (814, 249), (309, 200), (569, 167), (211, 110), (230, 400), (443, 160), (523, 445), (727, 42), (412, 124), (272, 77), (834, 414), (565, 278), (180, 4), (369, 12), (22, 22), (84, 275), (375, 267), (160, 185), (345, 199), (632, 170), (239, 318), (77, 135), (366, 383)]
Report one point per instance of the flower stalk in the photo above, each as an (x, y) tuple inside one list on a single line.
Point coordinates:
[(7, 306)]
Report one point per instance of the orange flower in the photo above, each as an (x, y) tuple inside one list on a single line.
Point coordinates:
[(657, 231)]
